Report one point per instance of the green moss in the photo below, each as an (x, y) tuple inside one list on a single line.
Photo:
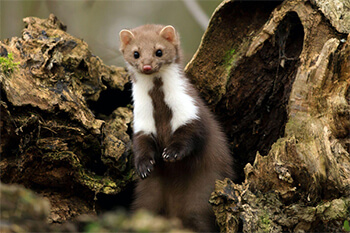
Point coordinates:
[(300, 127), (7, 64), (96, 183), (265, 222), (346, 226), (228, 59), (28, 198), (229, 56), (64, 156), (93, 227)]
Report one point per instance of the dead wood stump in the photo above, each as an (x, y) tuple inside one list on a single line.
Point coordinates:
[(278, 76), (65, 119)]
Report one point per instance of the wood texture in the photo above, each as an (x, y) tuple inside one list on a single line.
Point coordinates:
[(281, 89), (55, 136)]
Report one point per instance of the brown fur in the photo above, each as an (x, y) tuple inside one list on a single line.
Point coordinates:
[(179, 186), (170, 50), (163, 114)]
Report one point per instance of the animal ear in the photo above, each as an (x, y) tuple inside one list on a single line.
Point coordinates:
[(126, 36), (169, 33)]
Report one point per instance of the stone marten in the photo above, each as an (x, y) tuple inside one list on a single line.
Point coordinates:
[(179, 148)]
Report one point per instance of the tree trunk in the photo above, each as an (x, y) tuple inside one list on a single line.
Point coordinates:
[(65, 119), (278, 76)]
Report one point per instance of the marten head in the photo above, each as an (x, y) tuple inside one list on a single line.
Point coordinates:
[(149, 47)]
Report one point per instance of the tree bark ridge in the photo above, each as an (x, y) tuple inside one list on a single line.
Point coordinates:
[(282, 94)]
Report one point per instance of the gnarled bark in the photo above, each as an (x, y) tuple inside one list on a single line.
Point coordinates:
[(279, 80), (52, 141)]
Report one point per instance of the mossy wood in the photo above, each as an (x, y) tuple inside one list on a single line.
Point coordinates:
[(278, 76), (53, 138)]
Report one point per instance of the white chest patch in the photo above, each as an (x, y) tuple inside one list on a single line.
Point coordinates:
[(182, 105), (143, 108)]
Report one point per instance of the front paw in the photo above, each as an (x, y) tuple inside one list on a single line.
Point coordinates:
[(144, 167), (171, 154)]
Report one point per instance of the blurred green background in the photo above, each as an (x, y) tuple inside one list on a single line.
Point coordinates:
[(98, 22)]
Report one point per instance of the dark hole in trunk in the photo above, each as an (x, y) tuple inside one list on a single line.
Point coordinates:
[(120, 200), (110, 100), (254, 112)]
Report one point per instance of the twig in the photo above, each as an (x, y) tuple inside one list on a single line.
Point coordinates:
[(197, 12)]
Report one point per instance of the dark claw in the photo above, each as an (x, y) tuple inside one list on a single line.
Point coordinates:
[(164, 155), (145, 167), (170, 155)]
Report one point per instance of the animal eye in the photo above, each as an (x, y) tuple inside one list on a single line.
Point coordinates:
[(136, 55), (159, 53)]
